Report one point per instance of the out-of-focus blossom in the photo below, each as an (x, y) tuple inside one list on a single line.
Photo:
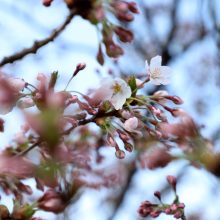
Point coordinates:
[(185, 128), (9, 92), (114, 90), (16, 166), (25, 103), (158, 74), (158, 157), (52, 201)]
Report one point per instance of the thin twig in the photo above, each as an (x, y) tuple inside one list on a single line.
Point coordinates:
[(68, 131), (37, 44), (22, 153)]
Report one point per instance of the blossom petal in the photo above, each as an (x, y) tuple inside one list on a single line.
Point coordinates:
[(165, 70), (156, 81), (155, 62), (146, 65), (131, 124)]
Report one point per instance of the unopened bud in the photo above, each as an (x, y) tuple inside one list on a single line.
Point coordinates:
[(178, 215), (174, 207), (155, 214), (172, 181), (176, 99), (120, 154), (168, 211), (181, 205), (157, 194), (128, 147), (79, 67), (47, 3), (111, 141), (124, 136), (132, 6)]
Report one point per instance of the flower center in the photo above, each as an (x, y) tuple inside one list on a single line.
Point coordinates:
[(156, 73), (116, 88)]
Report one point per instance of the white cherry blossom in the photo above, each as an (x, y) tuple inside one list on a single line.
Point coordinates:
[(114, 90), (158, 74)]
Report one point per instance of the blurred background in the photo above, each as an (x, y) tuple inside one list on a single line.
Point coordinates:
[(185, 33)]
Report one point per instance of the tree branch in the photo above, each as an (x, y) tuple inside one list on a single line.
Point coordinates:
[(125, 189), (37, 44)]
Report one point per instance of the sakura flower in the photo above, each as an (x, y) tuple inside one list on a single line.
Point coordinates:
[(9, 92), (114, 90), (158, 74)]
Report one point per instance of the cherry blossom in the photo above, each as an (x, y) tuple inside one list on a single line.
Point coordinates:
[(114, 90), (158, 74), (9, 92)]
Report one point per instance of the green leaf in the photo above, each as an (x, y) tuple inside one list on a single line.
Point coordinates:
[(53, 79), (132, 84)]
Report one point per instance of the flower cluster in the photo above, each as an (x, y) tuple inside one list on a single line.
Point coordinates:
[(126, 118), (154, 210)]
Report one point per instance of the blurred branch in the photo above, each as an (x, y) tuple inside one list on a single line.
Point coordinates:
[(173, 17), (37, 44), (126, 187)]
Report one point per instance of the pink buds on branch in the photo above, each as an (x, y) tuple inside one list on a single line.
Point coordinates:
[(79, 67), (172, 181)]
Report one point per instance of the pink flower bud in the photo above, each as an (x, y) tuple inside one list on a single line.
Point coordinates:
[(120, 154), (124, 136), (155, 214), (178, 215), (111, 141), (172, 181), (81, 66), (174, 207), (47, 3), (131, 124), (181, 205), (128, 147), (157, 194), (52, 201), (124, 35), (176, 99), (132, 6), (168, 211)]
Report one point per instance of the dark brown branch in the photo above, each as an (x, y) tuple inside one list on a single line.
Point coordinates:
[(37, 44), (22, 153), (68, 131)]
